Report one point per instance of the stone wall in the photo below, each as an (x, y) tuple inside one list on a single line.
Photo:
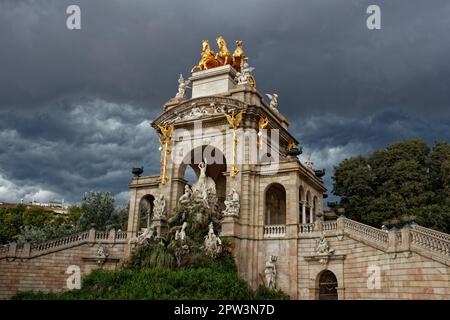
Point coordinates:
[(405, 271), (43, 267)]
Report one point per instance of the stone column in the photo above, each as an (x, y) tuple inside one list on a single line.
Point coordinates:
[(311, 214), (303, 202), (406, 238)]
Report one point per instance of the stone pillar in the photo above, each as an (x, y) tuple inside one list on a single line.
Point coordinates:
[(26, 250), (311, 214), (406, 238), (229, 226), (303, 211), (112, 235), (133, 215), (392, 241), (91, 238), (12, 249)]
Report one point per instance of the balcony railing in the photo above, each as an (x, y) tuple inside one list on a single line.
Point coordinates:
[(275, 231)]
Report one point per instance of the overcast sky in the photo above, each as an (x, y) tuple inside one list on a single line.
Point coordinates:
[(75, 106)]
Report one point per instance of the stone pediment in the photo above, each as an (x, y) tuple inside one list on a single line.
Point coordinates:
[(200, 108)]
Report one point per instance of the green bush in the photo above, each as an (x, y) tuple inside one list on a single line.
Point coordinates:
[(216, 280)]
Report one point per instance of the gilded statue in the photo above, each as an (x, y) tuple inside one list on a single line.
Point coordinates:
[(238, 56), (224, 56), (234, 120), (208, 59), (166, 133)]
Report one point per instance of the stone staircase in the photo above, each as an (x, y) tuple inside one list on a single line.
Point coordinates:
[(28, 251), (426, 242)]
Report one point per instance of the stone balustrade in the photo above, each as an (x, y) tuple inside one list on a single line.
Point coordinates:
[(26, 250), (274, 231), (329, 226), (430, 240), (306, 228), (374, 236)]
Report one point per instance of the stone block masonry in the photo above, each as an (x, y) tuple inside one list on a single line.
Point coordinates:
[(43, 267)]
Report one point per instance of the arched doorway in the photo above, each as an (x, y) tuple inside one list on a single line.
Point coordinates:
[(327, 286), (217, 165), (275, 204), (146, 211)]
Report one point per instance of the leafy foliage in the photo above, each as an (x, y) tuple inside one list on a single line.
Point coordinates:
[(405, 179), (215, 280), (34, 224)]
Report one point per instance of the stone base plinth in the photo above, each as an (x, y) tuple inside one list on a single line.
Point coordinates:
[(229, 226), (213, 81)]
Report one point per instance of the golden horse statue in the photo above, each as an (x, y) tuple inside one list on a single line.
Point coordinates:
[(224, 56), (238, 56), (208, 59)]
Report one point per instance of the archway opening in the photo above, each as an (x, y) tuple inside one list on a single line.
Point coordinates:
[(327, 286), (146, 206), (216, 167), (275, 204)]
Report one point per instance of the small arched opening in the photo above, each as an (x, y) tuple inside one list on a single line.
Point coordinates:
[(326, 285)]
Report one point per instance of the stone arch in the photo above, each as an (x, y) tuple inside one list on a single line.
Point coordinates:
[(275, 204), (326, 286), (145, 211), (217, 165)]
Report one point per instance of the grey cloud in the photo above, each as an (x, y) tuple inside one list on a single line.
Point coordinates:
[(72, 103)]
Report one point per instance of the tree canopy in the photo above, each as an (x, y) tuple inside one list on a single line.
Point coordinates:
[(407, 178), (34, 224)]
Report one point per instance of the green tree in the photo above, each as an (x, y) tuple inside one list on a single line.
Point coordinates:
[(97, 209), (406, 178)]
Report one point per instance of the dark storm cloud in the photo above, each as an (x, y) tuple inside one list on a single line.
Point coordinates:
[(73, 103)]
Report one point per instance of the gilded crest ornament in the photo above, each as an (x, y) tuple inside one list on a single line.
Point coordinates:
[(234, 121), (165, 140)]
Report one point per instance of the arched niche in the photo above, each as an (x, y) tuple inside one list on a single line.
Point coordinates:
[(146, 205), (275, 204)]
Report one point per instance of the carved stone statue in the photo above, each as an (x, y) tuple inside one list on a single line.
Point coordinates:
[(148, 234), (182, 86), (309, 164), (232, 204), (273, 101), (181, 235), (186, 197), (213, 244), (102, 253), (245, 75), (205, 188), (270, 272), (159, 210), (323, 247)]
